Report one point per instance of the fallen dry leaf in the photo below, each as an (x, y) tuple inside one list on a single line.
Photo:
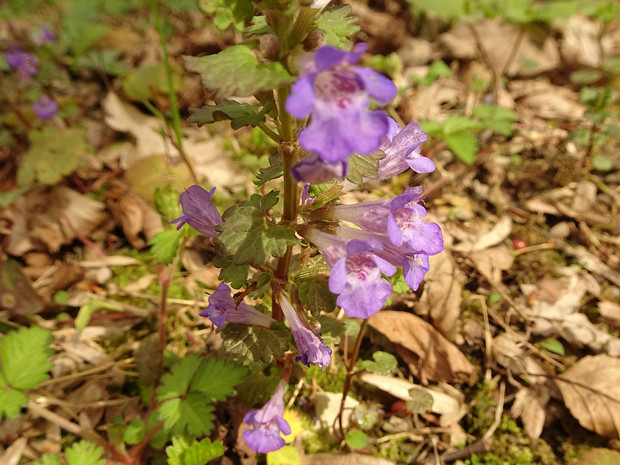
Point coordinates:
[(343, 459), (17, 295), (430, 355), (492, 261), (441, 298), (509, 353), (591, 391), (529, 404), (451, 406), (582, 43)]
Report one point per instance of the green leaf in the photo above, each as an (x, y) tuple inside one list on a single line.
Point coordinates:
[(601, 162), (421, 401), (11, 401), (134, 432), (254, 343), (85, 453), (166, 200), (49, 459), (356, 439), (54, 153), (435, 71), (338, 26), (23, 357), (144, 83), (218, 379), (202, 452), (464, 146), (444, 9), (454, 124), (364, 166), (553, 346), (240, 114), (247, 237), (258, 387), (315, 294), (286, 455), (236, 275), (384, 363), (274, 171), (165, 244), (237, 71), (398, 282), (177, 382), (496, 118), (228, 12), (191, 415)]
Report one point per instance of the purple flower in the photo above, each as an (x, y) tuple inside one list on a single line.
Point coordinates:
[(23, 62), (45, 107), (356, 277), (222, 308), (267, 424), (415, 267), (45, 36), (405, 223), (311, 348), (199, 211), (402, 150), (314, 170), (337, 96)]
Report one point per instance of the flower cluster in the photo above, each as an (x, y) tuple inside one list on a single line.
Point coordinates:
[(27, 66), (222, 308)]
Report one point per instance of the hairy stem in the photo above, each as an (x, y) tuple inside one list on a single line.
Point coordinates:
[(350, 365)]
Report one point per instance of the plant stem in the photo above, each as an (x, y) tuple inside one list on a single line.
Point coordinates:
[(172, 95), (289, 213), (350, 365)]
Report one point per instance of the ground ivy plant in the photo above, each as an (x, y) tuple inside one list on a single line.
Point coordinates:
[(297, 249)]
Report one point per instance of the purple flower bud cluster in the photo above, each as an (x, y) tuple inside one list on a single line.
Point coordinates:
[(267, 424), (27, 66)]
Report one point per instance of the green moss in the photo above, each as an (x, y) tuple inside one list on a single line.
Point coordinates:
[(329, 381)]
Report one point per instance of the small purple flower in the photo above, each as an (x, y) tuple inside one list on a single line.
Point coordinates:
[(222, 308), (311, 348), (25, 63), (45, 36), (45, 107), (199, 211), (337, 96), (415, 267), (402, 150), (405, 223), (314, 170), (267, 424), (357, 279)]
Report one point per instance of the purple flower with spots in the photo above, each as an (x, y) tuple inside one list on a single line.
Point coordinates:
[(267, 424), (311, 349), (415, 267), (222, 308), (356, 277), (336, 94), (25, 64), (199, 211), (45, 107), (405, 223)]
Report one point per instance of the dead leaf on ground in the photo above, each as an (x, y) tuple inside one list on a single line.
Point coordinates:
[(430, 355), (441, 298), (499, 40), (492, 261), (546, 100), (591, 391), (582, 42), (507, 350), (600, 457), (450, 405), (529, 404), (49, 217), (343, 459), (17, 295), (610, 312)]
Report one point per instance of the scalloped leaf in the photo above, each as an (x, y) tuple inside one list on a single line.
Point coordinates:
[(23, 357), (218, 379), (255, 343)]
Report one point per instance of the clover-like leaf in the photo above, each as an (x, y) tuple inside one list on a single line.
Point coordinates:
[(237, 71), (23, 357), (383, 363), (274, 171)]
